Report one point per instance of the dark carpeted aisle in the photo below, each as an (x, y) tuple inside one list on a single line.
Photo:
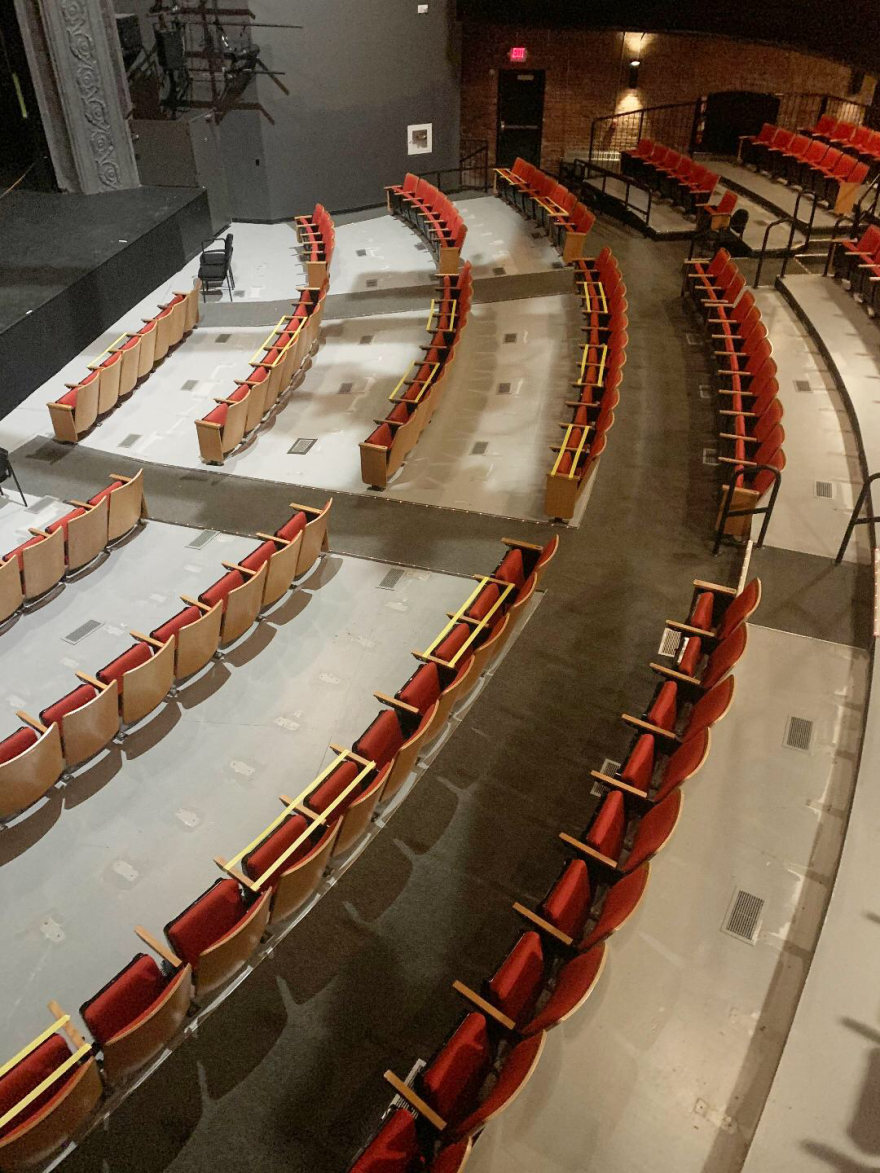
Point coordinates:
[(287, 1075)]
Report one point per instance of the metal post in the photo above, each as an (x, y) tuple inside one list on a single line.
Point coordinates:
[(766, 510), (855, 520), (6, 470)]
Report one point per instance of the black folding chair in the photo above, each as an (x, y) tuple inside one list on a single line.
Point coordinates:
[(215, 265), (7, 471)]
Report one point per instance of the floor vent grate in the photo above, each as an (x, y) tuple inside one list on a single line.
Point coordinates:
[(190, 385), (710, 456), (693, 339), (705, 390), (744, 916), (390, 581), (346, 388), (201, 540), (510, 338), (803, 387), (499, 271), (799, 734), (130, 441), (366, 339), (503, 388), (610, 767), (670, 643), (361, 252), (222, 337), (480, 448), (300, 447), (372, 282), (82, 631), (39, 506), (558, 265), (825, 489)]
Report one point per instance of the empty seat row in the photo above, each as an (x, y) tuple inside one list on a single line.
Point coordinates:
[(751, 434), (140, 1010), (317, 240), (70, 544), (85, 720), (854, 138), (129, 359), (857, 263), (434, 216), (810, 164), (554, 964), (677, 177), (549, 203), (417, 395), (274, 365), (595, 392)]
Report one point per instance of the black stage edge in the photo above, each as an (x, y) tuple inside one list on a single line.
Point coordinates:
[(70, 265)]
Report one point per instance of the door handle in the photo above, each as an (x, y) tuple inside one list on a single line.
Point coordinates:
[(517, 126)]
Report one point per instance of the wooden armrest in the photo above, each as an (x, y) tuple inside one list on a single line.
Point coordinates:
[(585, 849), (397, 704), (698, 261), (734, 436), (702, 632), (306, 508), (616, 782), (80, 504), (349, 753), (39, 533), (428, 659), (273, 538), (736, 460), (702, 585), (415, 1101), (518, 545), (673, 675), (235, 873), (751, 415), (147, 639), (464, 618), (195, 603), (544, 925), (657, 730), (32, 721), (240, 569), (484, 1005), (158, 946)]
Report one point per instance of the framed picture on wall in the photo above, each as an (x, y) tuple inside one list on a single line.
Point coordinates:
[(419, 138)]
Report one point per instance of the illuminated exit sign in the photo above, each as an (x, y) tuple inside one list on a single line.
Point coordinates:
[(518, 54)]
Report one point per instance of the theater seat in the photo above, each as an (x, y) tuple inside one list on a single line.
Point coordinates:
[(132, 658), (218, 932), (219, 591), (16, 743)]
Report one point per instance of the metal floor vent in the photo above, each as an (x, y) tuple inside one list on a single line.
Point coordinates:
[(693, 339), (799, 734), (4, 501), (803, 386), (510, 338), (201, 540), (366, 339), (190, 385), (361, 252), (744, 917), (499, 271), (670, 643), (705, 390), (372, 282), (81, 632), (503, 388), (239, 293), (222, 337), (610, 767), (301, 446), (824, 489), (558, 265), (39, 506), (346, 388), (480, 448), (390, 581), (710, 456), (130, 440)]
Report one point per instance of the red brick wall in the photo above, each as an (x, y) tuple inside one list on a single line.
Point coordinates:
[(586, 76)]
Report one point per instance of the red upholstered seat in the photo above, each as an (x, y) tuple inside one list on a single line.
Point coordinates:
[(519, 981), (639, 766), (99, 497), (484, 602), (711, 707), (701, 612), (29, 1074), (399, 414), (740, 608), (333, 786), (607, 829), (64, 522), (382, 436), (620, 902), (573, 983), (207, 920), (218, 415), (451, 1082), (653, 831), (129, 996), (394, 1148), (511, 568), (568, 905), (291, 528), (453, 643), (69, 398), (691, 656), (176, 623), (262, 857), (259, 557), (451, 1159), (16, 743), (516, 1069), (133, 658), (133, 341), (18, 552), (68, 704), (422, 689), (381, 740), (239, 393), (664, 708), (683, 764), (219, 591)]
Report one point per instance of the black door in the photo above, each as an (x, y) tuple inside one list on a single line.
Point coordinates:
[(731, 113), (520, 116), (23, 150)]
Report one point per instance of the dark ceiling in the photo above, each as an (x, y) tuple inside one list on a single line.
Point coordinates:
[(850, 34)]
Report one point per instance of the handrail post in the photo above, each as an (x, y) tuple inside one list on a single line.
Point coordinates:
[(855, 520), (765, 510)]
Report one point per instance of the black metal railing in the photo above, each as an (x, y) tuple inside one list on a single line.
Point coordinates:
[(577, 175), (471, 174), (755, 510), (803, 111), (790, 249), (871, 519)]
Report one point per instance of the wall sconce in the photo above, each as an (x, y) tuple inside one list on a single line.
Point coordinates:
[(634, 73)]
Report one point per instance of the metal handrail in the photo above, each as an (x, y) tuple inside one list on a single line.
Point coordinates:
[(765, 510), (855, 520), (581, 170), (789, 251)]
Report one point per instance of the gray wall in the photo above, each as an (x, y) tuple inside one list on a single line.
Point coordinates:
[(355, 76)]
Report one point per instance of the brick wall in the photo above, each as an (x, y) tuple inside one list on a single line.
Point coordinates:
[(586, 76)]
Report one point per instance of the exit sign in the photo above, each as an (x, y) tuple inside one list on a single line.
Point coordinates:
[(518, 54)]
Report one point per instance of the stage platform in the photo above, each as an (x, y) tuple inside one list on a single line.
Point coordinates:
[(72, 264)]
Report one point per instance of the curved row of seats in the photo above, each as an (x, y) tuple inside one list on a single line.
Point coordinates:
[(129, 360), (51, 1088), (852, 137), (857, 262), (317, 240), (417, 395), (549, 203), (433, 215), (85, 720), (810, 164), (596, 391), (67, 546), (553, 966), (236, 419), (750, 414), (680, 179)]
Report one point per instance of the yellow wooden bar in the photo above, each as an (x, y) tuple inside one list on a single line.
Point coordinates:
[(456, 618), (95, 363), (433, 371), (278, 328), (32, 1046), (583, 366), (565, 448), (85, 1049)]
